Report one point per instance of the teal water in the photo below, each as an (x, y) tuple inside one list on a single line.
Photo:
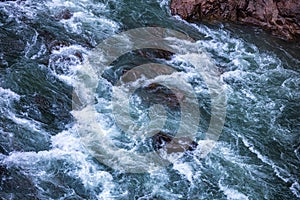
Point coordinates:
[(42, 156)]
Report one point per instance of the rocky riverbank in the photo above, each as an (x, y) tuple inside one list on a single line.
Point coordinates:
[(280, 17)]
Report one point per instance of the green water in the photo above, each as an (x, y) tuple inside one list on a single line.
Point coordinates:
[(42, 157)]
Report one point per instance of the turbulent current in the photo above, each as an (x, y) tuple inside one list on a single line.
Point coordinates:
[(80, 111)]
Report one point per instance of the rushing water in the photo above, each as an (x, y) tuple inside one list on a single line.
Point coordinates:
[(45, 43)]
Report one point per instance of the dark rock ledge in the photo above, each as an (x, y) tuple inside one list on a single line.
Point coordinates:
[(280, 17)]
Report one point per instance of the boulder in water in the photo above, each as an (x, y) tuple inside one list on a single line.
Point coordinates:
[(281, 17), (64, 14), (172, 144)]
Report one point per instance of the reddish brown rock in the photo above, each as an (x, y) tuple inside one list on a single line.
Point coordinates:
[(64, 14), (281, 17), (155, 53), (160, 94), (173, 145)]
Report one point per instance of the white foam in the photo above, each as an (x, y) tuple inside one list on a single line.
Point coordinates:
[(66, 146), (7, 95), (297, 152), (232, 194), (164, 4), (6, 98), (87, 171), (69, 66), (242, 55), (42, 51), (281, 173), (30, 44), (16, 10), (157, 185), (184, 169), (295, 188), (29, 124), (84, 20)]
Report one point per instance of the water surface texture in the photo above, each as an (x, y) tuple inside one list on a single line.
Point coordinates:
[(44, 45)]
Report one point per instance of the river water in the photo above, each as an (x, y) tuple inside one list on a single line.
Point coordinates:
[(45, 44)]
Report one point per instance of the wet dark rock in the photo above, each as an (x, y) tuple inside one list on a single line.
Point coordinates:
[(155, 53), (172, 144), (52, 41), (57, 45), (162, 95), (79, 56), (41, 102), (54, 112), (64, 14), (281, 17)]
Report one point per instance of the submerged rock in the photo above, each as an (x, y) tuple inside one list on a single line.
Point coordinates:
[(155, 53), (64, 14), (281, 17), (42, 102), (57, 45), (172, 144), (162, 95)]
